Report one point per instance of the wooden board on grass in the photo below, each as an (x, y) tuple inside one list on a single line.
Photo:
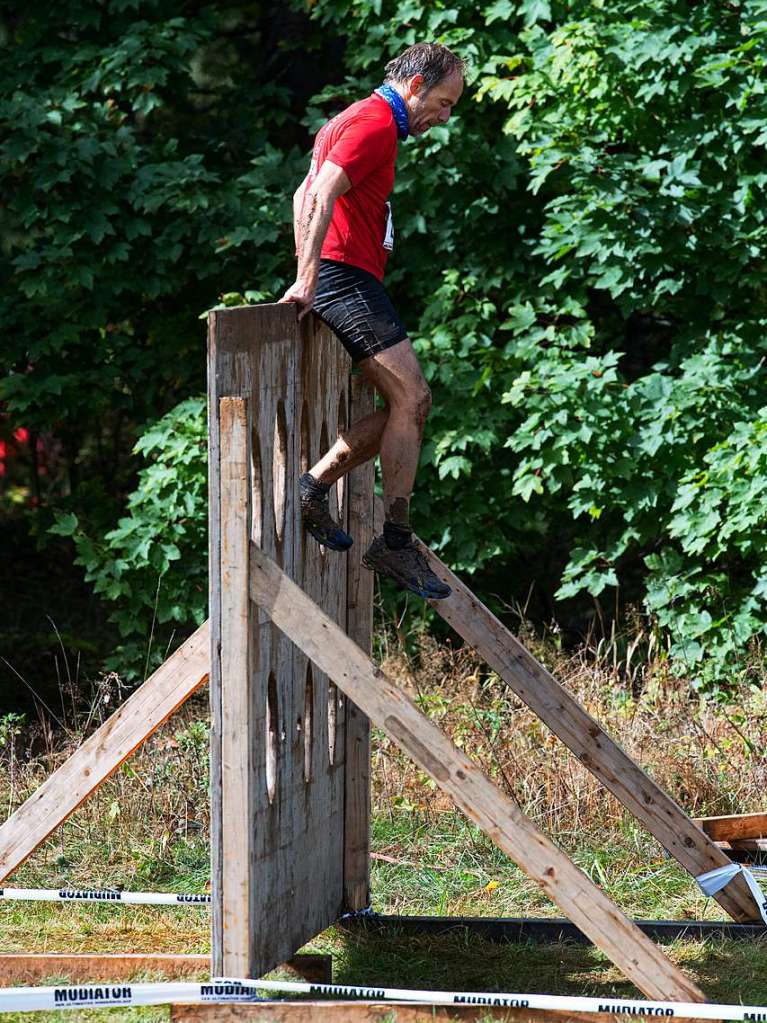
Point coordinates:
[(376, 1012), (26, 968), (499, 817), (733, 827)]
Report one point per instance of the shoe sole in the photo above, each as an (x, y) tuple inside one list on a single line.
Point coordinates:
[(404, 584), (329, 543)]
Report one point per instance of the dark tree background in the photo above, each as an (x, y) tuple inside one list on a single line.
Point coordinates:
[(580, 262)]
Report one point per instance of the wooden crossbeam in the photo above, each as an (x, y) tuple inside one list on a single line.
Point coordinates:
[(103, 752), (498, 816), (734, 827), (580, 732)]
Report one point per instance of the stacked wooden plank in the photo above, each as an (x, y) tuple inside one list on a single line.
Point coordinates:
[(743, 836)]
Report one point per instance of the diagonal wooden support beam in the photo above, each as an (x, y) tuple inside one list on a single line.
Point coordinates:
[(498, 816), (690, 846), (101, 754)]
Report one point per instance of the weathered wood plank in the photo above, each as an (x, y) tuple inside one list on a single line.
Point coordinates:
[(269, 725), (359, 494), (293, 376), (497, 815), (236, 771), (733, 827), (315, 797), (375, 1012), (24, 968), (103, 752), (582, 734)]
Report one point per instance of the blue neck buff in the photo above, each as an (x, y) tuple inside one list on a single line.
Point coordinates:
[(397, 103)]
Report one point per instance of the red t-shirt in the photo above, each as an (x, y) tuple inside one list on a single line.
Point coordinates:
[(363, 141)]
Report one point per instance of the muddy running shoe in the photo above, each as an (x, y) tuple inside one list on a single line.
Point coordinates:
[(408, 567), (315, 514)]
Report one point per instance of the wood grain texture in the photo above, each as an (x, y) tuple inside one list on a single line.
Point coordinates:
[(359, 627), (500, 818), (582, 734), (375, 1012), (296, 380), (25, 968), (733, 827), (103, 752), (236, 768)]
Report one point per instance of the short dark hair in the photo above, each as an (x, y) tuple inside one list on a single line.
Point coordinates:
[(432, 60)]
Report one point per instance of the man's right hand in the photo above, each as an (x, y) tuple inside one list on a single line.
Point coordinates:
[(302, 295)]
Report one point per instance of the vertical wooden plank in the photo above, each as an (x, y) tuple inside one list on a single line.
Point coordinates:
[(359, 627), (235, 685), (230, 343), (312, 830), (277, 917), (292, 374), (214, 612)]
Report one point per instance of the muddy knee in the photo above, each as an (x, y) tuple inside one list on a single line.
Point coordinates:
[(422, 404), (413, 403)]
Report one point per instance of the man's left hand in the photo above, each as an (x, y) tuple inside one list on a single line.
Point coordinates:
[(302, 296)]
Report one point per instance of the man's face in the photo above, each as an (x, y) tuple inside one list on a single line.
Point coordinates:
[(429, 108)]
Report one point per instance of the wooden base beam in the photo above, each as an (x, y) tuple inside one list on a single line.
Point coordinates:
[(375, 1012), (25, 968)]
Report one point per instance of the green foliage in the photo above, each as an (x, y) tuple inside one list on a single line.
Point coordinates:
[(580, 260), (143, 161), (648, 126), (711, 593), (594, 308), (11, 727), (153, 565)]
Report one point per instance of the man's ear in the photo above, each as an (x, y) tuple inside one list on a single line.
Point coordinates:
[(415, 84)]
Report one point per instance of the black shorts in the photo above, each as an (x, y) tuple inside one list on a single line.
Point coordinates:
[(354, 304)]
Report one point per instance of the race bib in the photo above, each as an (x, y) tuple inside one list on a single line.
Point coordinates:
[(388, 242)]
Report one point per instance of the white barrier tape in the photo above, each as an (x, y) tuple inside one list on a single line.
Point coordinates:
[(104, 895), (28, 999), (714, 880), (94, 996)]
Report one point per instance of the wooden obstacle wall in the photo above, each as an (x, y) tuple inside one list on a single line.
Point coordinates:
[(290, 804)]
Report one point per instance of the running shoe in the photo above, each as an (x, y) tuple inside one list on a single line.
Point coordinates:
[(315, 514), (407, 566)]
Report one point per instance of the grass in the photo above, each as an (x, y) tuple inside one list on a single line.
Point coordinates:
[(431, 860)]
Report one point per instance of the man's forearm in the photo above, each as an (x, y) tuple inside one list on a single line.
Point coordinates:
[(311, 226), (298, 201)]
